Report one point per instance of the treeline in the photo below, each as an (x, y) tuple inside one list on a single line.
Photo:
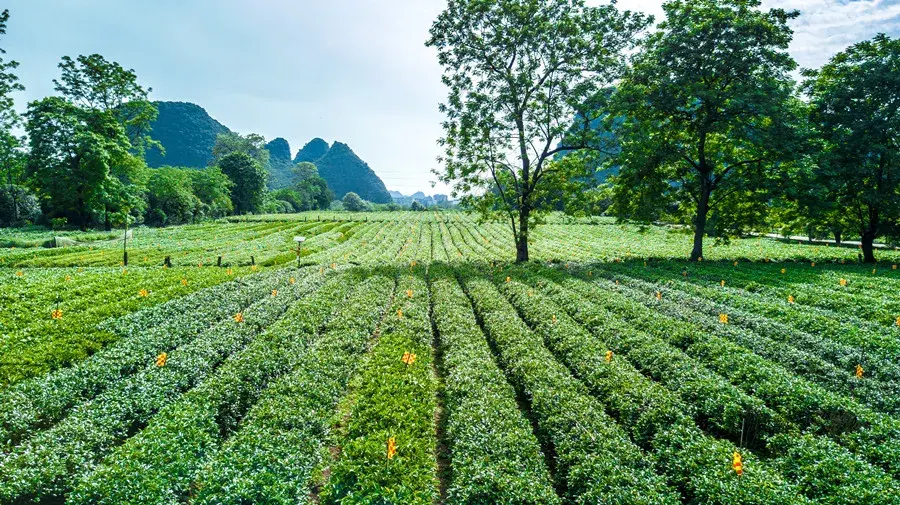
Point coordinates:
[(697, 120), (81, 162)]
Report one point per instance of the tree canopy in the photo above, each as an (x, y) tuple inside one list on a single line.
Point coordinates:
[(855, 99), (249, 178), (706, 114), (518, 72)]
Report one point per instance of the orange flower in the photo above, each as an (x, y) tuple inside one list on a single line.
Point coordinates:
[(253, 268), (293, 281), (20, 273), (813, 264), (408, 358), (659, 295), (161, 359), (859, 371), (56, 314), (530, 292), (399, 313), (735, 263), (723, 318), (409, 293), (391, 448), (274, 292), (508, 279), (617, 282), (783, 270), (790, 298), (412, 263), (554, 318), (143, 293), (700, 259), (229, 272), (68, 278), (843, 282), (737, 463), (184, 282), (894, 267), (609, 355), (334, 265), (898, 321), (722, 283), (239, 317)]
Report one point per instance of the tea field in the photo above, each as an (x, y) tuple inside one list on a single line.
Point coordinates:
[(402, 358)]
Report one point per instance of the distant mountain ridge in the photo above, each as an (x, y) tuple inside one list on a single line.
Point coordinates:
[(188, 133), (344, 171)]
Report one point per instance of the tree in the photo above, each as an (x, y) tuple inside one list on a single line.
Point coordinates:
[(249, 178), (79, 161), (213, 189), (251, 144), (11, 155), (855, 98), (353, 203), (170, 196), (707, 114), (519, 71), (312, 188), (93, 83)]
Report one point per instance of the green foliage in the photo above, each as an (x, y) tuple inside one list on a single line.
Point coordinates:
[(707, 116), (251, 144), (213, 188), (170, 196), (80, 163), (249, 181), (312, 188), (854, 100), (353, 203), (280, 165), (18, 205), (518, 72)]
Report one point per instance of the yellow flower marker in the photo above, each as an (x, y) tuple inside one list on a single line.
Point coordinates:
[(391, 448), (20, 273), (161, 360), (590, 273), (56, 314), (813, 264), (898, 320), (659, 296), (409, 293), (68, 278), (783, 270), (737, 463), (334, 265), (229, 271), (239, 317), (412, 263), (790, 298), (530, 293), (293, 280), (894, 267), (408, 358), (873, 271), (617, 282), (254, 268), (735, 263), (609, 355), (554, 318), (143, 293), (722, 283), (399, 313), (274, 292), (508, 279), (723, 318), (859, 371), (843, 282), (184, 282), (699, 259)]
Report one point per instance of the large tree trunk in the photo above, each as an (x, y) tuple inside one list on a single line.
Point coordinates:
[(700, 219), (837, 237), (522, 243), (868, 238)]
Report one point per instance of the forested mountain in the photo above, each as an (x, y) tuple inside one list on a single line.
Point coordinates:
[(312, 151), (280, 165), (188, 135), (186, 132), (345, 172)]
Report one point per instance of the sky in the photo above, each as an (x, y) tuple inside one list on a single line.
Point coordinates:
[(356, 71)]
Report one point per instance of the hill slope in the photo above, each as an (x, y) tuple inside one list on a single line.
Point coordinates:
[(280, 164), (187, 133), (345, 171)]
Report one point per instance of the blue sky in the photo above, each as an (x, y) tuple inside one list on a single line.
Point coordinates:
[(350, 70)]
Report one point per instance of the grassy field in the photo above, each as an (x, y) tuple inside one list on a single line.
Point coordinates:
[(403, 359)]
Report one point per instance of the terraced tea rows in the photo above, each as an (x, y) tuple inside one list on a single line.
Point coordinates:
[(404, 360)]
